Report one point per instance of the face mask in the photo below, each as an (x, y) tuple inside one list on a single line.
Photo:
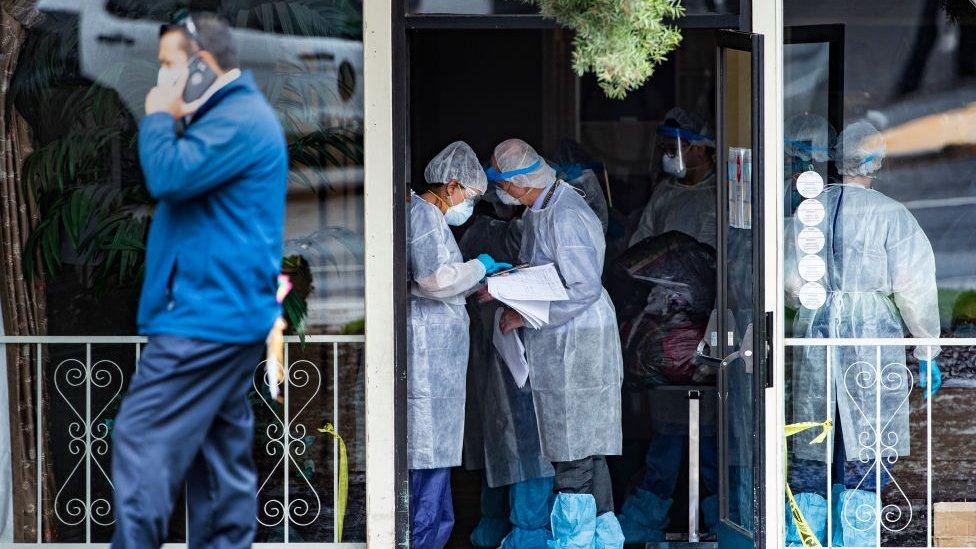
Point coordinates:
[(506, 198), (169, 76), (674, 165), (459, 214)]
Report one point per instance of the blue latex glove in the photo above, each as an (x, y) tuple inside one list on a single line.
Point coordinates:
[(923, 375), (492, 266)]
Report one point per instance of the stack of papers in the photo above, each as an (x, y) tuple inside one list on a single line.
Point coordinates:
[(511, 350), (529, 291)]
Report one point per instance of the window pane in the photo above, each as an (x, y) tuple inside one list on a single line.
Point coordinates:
[(471, 7), (513, 7), (71, 179), (879, 207)]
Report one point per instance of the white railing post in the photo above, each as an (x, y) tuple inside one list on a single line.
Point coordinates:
[(286, 444), (335, 443), (829, 447), (88, 442), (928, 453), (39, 437), (877, 451)]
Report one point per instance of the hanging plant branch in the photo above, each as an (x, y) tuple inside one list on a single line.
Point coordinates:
[(620, 41)]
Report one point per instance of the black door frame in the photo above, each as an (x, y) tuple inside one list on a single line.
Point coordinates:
[(762, 319), (403, 24), (833, 36)]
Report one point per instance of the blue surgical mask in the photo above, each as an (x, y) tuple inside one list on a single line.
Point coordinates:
[(459, 214)]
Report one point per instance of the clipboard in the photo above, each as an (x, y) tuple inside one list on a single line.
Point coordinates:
[(509, 270)]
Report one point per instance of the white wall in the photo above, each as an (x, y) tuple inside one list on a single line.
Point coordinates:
[(378, 196)]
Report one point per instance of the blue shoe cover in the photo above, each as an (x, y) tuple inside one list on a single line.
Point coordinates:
[(643, 517), (573, 522), (531, 503), (814, 509), (608, 533), (855, 516), (519, 538), (490, 532)]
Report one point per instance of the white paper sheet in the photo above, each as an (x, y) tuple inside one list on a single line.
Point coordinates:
[(529, 291), (535, 313), (511, 350), (540, 283)]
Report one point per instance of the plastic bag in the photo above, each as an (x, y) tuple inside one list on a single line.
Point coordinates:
[(664, 289), (678, 267)]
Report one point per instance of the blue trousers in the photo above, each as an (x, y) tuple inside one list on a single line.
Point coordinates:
[(666, 453), (431, 508), (811, 476), (185, 420)]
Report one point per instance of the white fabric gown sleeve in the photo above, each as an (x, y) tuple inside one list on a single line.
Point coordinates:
[(578, 264), (451, 280), (911, 265), (435, 275)]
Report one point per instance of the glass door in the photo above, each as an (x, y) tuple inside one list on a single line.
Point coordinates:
[(743, 330)]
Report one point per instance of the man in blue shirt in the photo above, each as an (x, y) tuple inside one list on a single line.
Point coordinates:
[(217, 163)]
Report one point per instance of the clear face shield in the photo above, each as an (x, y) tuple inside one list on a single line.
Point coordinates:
[(671, 148)]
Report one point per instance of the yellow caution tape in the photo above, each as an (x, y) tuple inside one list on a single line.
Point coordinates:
[(343, 487), (806, 533)]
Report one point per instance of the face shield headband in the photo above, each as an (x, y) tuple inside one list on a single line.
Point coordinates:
[(685, 135), (495, 175)]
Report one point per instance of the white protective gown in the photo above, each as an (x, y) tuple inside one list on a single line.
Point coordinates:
[(674, 206), (575, 364), (880, 280), (500, 432), (437, 339)]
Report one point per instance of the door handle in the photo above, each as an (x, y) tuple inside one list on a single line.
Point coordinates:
[(317, 56), (117, 38)]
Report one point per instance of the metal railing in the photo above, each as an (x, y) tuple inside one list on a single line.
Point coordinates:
[(85, 387), (879, 445)]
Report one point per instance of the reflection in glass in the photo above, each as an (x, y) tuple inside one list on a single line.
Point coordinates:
[(900, 261), (738, 374), (80, 73), (517, 7)]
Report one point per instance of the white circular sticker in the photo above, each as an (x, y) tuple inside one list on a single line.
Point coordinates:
[(812, 268), (810, 240), (813, 295), (809, 184), (811, 212)]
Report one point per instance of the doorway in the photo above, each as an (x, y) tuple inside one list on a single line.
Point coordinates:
[(483, 85)]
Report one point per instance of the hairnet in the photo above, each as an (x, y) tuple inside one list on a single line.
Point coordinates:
[(809, 137), (514, 154), (690, 124), (457, 162), (860, 149)]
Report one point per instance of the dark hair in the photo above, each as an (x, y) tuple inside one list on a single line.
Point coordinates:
[(209, 32)]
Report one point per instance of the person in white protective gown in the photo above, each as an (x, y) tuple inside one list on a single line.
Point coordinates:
[(575, 364), (873, 277), (501, 436), (437, 336), (685, 198)]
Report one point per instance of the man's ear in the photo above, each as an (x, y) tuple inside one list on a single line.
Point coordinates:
[(211, 62)]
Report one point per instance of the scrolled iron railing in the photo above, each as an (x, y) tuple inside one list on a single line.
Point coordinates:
[(85, 378)]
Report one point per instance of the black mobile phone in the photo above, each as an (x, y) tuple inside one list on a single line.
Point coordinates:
[(199, 80)]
